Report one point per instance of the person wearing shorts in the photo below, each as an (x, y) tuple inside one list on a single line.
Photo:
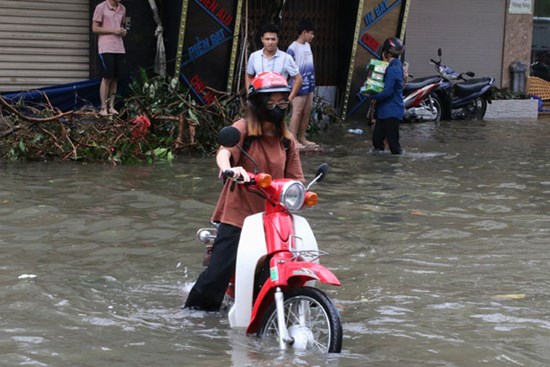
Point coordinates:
[(302, 104), (108, 24)]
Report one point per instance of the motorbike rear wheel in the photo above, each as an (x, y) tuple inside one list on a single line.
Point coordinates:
[(476, 109), (433, 105), (311, 318)]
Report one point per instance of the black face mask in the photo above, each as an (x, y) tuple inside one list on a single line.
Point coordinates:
[(276, 115)]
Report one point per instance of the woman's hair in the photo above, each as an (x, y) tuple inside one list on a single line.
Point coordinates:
[(257, 112)]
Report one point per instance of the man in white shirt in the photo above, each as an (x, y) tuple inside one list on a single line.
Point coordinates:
[(270, 58)]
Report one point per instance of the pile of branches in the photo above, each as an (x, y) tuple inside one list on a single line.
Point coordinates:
[(158, 120)]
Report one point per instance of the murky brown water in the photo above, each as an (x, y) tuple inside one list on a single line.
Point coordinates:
[(443, 254)]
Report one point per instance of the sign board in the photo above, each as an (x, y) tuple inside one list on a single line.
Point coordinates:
[(207, 45), (521, 7), (378, 20)]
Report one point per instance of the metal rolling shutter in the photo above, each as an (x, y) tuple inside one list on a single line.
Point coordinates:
[(43, 43), (470, 33)]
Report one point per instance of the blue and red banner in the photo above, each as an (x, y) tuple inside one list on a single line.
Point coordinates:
[(380, 20), (207, 46)]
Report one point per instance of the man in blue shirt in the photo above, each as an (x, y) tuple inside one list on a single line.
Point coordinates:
[(389, 102)]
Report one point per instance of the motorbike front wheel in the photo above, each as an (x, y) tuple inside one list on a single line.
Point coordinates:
[(311, 318)]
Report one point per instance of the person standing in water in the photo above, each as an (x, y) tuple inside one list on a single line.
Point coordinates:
[(302, 104), (389, 102)]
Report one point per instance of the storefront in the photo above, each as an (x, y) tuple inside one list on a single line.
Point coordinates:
[(46, 44), (540, 55)]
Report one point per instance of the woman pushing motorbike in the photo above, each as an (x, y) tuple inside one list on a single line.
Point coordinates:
[(274, 149)]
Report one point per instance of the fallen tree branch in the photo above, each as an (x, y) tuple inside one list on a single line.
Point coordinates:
[(21, 116)]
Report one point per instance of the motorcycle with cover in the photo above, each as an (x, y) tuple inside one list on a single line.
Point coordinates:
[(462, 98)]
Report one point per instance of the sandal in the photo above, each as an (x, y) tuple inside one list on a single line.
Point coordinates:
[(308, 143)]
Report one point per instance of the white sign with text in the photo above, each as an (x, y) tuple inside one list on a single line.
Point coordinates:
[(521, 7)]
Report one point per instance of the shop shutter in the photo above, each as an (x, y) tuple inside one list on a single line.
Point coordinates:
[(470, 33), (43, 43)]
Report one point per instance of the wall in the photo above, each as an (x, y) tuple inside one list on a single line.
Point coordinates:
[(42, 43), (518, 38), (470, 33)]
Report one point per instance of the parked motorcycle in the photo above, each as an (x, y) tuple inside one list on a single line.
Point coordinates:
[(273, 294), (462, 98)]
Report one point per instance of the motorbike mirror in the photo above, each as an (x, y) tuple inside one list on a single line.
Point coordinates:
[(322, 172), (439, 52), (229, 136), (471, 74), (320, 175)]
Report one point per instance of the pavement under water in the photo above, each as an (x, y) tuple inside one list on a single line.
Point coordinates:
[(442, 253)]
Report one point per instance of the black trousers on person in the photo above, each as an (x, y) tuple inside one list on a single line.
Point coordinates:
[(386, 129), (207, 293)]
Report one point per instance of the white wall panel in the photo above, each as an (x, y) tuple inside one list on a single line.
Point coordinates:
[(43, 43), (470, 33)]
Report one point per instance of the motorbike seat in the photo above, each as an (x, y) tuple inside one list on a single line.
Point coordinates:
[(472, 85), (421, 82)]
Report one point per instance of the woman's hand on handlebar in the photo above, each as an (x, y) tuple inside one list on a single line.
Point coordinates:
[(237, 174)]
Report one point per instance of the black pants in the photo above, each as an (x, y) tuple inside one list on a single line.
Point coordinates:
[(207, 293), (386, 129)]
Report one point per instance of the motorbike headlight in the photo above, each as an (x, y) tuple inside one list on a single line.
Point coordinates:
[(293, 195)]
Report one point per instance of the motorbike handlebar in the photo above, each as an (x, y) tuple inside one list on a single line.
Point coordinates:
[(229, 174)]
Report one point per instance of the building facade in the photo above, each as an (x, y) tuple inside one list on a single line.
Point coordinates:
[(49, 42)]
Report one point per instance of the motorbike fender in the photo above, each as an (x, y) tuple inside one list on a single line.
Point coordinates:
[(252, 248), (300, 272), (289, 274)]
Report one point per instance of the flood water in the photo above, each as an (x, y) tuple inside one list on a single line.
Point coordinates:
[(443, 254)]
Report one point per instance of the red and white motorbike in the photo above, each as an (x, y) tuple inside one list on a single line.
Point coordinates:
[(274, 294), (420, 101)]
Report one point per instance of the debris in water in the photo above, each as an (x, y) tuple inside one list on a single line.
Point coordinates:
[(26, 276), (506, 297)]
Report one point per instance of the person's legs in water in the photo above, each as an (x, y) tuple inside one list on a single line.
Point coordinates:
[(392, 135), (207, 293), (378, 135)]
